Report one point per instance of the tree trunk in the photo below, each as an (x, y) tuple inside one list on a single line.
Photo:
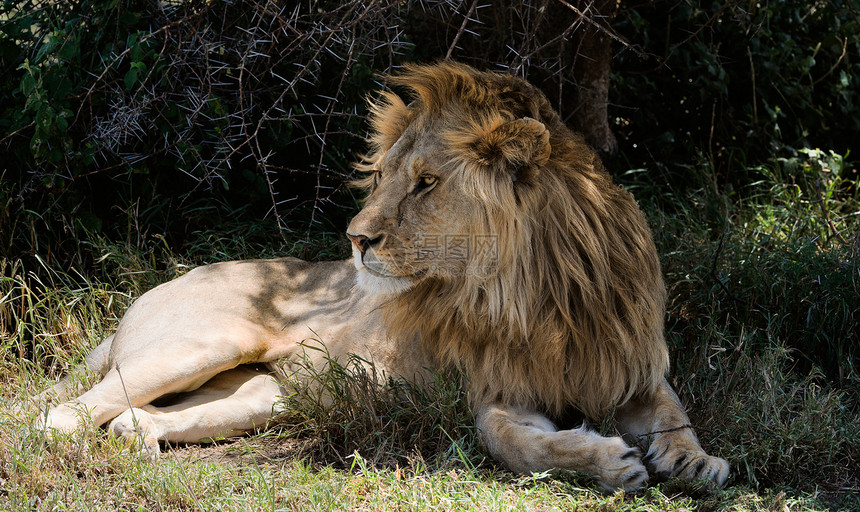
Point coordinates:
[(592, 56)]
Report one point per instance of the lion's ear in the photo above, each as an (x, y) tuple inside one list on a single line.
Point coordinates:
[(520, 146)]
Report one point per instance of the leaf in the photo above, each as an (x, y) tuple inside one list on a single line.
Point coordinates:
[(133, 42), (130, 78), (62, 124), (132, 75), (69, 50), (28, 84)]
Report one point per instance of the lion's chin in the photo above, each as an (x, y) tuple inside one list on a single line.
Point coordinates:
[(377, 284)]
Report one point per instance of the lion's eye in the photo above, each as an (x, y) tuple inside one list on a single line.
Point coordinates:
[(425, 182)]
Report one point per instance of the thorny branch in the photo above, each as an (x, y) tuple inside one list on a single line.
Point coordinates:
[(251, 83), (610, 33), (237, 73)]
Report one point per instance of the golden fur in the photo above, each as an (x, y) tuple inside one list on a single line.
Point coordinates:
[(572, 316)]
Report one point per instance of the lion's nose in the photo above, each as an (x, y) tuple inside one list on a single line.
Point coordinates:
[(362, 242)]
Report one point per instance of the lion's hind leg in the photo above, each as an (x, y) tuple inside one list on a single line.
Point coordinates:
[(68, 416), (231, 403), (674, 449), (137, 378), (527, 442), (96, 362)]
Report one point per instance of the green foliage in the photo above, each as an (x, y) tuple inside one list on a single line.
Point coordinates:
[(186, 114), (46, 323), (47, 51), (792, 431), (764, 317), (788, 263), (737, 80), (191, 113)]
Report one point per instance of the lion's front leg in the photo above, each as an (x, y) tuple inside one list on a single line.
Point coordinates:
[(528, 442), (674, 449)]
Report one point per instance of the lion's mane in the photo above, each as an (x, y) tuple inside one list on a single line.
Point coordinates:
[(571, 313)]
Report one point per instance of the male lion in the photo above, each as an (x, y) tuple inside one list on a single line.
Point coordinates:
[(492, 239)]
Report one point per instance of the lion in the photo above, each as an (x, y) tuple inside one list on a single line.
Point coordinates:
[(492, 240)]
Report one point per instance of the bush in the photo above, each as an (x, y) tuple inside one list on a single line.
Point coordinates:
[(184, 114), (785, 261), (764, 316), (736, 80)]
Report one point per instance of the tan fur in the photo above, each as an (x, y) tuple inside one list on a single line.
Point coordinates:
[(491, 239)]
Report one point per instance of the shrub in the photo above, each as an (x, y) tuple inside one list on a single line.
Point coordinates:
[(183, 113), (737, 81)]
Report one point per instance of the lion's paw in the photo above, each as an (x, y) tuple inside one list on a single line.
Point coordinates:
[(620, 466), (137, 427), (64, 419), (669, 460)]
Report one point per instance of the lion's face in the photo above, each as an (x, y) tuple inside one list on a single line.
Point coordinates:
[(446, 176), (417, 222)]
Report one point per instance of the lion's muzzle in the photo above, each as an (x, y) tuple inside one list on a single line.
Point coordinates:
[(362, 242)]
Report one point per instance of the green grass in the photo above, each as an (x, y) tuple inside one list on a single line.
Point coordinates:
[(762, 323)]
